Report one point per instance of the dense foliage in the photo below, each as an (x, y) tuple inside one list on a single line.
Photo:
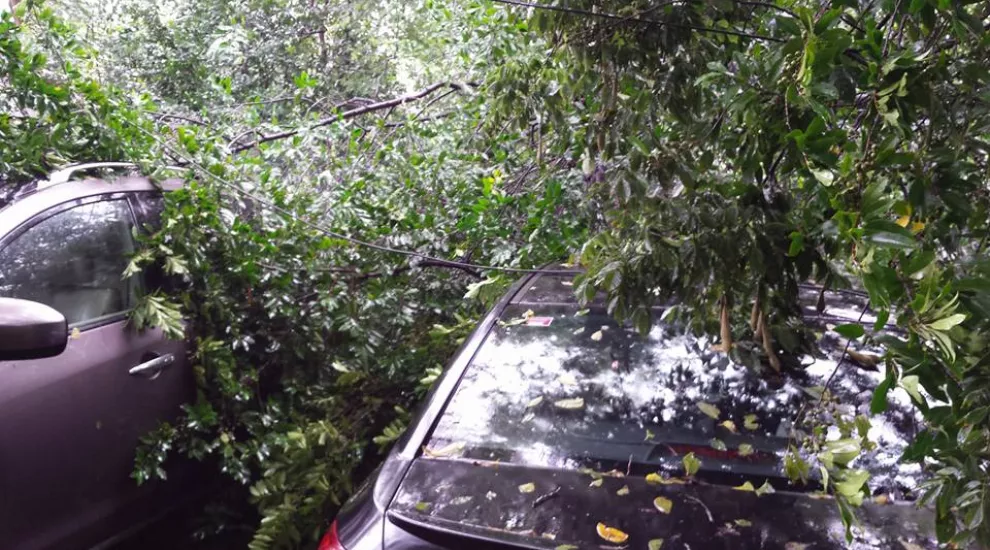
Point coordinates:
[(349, 182)]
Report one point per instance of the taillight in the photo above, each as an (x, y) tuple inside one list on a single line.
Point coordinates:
[(329, 540)]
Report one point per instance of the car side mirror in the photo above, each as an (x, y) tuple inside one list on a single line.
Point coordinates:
[(29, 330)]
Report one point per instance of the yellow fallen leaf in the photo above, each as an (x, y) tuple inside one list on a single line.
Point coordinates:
[(596, 336), (672, 481), (529, 313), (526, 488), (743, 523), (746, 487), (664, 505), (729, 425), (570, 404), (596, 483), (653, 478), (745, 449), (623, 491), (750, 423), (534, 402), (654, 544), (447, 450), (75, 334), (765, 489), (611, 534), (567, 379), (795, 546), (709, 409)]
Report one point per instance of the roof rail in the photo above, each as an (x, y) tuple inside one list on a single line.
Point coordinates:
[(65, 174)]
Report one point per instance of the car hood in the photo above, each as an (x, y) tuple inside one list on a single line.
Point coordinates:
[(493, 502)]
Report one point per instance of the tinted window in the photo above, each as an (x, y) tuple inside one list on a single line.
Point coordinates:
[(582, 391), (73, 261)]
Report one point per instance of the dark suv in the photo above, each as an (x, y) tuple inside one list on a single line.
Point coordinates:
[(556, 427), (78, 386)]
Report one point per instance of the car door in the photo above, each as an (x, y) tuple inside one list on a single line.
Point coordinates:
[(69, 425)]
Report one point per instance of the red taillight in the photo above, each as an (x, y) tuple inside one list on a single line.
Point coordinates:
[(329, 540)]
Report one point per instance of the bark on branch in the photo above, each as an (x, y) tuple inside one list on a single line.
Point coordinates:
[(352, 113)]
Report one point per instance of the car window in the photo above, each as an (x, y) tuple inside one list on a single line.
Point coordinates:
[(73, 262), (571, 390)]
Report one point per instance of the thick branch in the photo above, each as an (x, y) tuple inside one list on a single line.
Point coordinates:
[(364, 109), (425, 263)]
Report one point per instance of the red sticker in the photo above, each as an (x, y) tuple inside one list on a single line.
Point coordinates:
[(539, 321)]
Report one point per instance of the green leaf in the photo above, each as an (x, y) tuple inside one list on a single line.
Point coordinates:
[(843, 450), (709, 409), (948, 322), (654, 544), (852, 483), (851, 330), (825, 177), (910, 385), (879, 402), (691, 464)]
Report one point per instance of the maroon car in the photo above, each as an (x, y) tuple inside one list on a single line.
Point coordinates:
[(78, 385)]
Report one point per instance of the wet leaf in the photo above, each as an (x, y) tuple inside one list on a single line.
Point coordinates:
[(853, 483), (570, 404), (611, 534), (672, 481), (729, 425), (691, 464), (663, 504), (717, 444), (596, 483), (765, 489), (709, 409), (653, 478), (746, 487), (623, 491), (567, 379), (750, 423), (596, 336), (743, 523), (422, 506), (649, 435), (745, 449), (534, 402), (654, 544), (527, 488), (451, 449)]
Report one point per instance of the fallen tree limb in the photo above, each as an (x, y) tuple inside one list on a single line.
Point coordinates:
[(358, 111)]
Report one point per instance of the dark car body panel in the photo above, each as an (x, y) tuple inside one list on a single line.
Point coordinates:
[(70, 424), (451, 493)]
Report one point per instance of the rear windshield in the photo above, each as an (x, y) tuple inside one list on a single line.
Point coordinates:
[(570, 389)]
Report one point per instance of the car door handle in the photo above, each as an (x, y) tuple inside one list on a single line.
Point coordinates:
[(154, 365)]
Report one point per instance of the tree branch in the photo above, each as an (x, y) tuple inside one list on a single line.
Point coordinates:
[(614, 17), (364, 109)]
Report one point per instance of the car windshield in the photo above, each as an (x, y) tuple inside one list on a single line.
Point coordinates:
[(555, 387)]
